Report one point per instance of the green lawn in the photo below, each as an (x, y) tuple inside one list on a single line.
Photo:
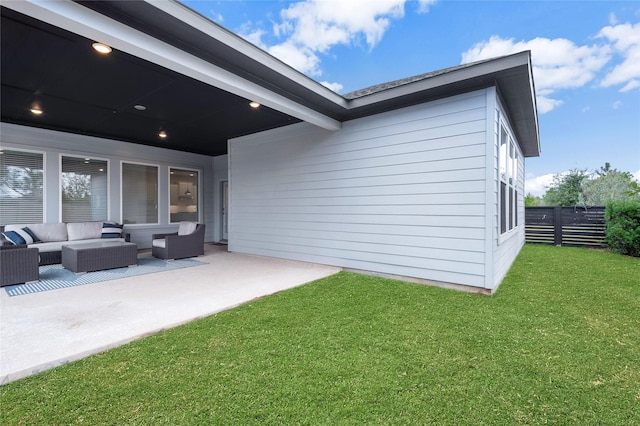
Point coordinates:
[(558, 343)]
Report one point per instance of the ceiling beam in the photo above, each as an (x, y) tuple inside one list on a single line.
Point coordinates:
[(92, 25)]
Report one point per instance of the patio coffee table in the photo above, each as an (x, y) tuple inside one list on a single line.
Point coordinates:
[(96, 256)]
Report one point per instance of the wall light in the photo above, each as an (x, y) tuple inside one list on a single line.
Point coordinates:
[(162, 134), (36, 111), (254, 104)]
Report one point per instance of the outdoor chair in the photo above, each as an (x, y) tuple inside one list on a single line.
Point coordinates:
[(18, 264), (187, 242)]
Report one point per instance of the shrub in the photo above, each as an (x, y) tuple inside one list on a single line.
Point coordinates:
[(623, 227)]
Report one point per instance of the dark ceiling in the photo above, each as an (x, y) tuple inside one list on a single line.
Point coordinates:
[(81, 91)]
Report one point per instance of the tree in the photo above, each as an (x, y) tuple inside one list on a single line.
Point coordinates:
[(610, 185), (566, 189), (634, 190), (21, 180), (75, 186), (532, 200), (605, 169)]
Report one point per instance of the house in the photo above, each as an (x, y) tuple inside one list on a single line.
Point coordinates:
[(420, 178)]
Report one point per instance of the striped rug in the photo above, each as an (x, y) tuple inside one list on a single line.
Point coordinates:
[(53, 277)]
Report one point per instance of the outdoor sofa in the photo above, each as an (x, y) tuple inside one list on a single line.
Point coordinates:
[(49, 238), (18, 264)]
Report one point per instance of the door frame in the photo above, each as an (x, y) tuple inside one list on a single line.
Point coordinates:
[(224, 211)]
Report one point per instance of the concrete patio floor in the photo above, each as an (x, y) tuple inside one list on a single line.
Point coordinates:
[(44, 330)]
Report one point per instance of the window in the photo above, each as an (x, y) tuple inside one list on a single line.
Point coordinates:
[(21, 187), (139, 193), (183, 193), (508, 158), (84, 189)]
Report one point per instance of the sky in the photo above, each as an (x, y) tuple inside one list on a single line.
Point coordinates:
[(585, 55)]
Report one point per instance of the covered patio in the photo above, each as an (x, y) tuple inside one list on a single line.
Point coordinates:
[(44, 330)]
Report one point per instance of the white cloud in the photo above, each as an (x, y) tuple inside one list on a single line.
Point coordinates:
[(633, 84), (312, 27), (217, 17), (557, 63), (424, 5), (636, 175), (625, 41), (254, 36), (336, 87), (537, 185), (321, 24), (616, 105), (547, 104), (299, 57)]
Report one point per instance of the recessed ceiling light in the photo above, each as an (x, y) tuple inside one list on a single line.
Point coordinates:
[(162, 134), (140, 107), (254, 104), (36, 111), (101, 48)]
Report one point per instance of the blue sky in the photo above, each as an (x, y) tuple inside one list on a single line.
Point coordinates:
[(586, 58)]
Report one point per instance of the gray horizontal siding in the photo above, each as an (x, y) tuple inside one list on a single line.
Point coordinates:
[(399, 193)]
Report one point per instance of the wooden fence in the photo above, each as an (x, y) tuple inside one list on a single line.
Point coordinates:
[(569, 226)]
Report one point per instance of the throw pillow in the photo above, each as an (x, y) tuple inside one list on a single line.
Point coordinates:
[(21, 236), (111, 230), (186, 228)]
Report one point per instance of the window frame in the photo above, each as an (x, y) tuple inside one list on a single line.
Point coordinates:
[(84, 157), (122, 193), (198, 192), (44, 180), (509, 195)]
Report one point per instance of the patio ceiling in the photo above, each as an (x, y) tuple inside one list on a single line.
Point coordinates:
[(196, 79), (81, 91)]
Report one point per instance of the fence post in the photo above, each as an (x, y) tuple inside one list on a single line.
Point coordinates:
[(557, 225)]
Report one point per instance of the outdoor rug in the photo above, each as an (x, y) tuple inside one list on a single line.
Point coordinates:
[(54, 277)]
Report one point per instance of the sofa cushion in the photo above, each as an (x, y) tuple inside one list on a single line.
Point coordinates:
[(159, 242), (111, 230), (45, 231), (49, 246), (84, 230), (21, 236), (187, 228)]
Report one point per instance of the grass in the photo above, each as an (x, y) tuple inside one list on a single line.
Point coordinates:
[(557, 344)]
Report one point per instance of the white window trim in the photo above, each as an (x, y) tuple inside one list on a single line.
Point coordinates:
[(137, 225), (504, 236)]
